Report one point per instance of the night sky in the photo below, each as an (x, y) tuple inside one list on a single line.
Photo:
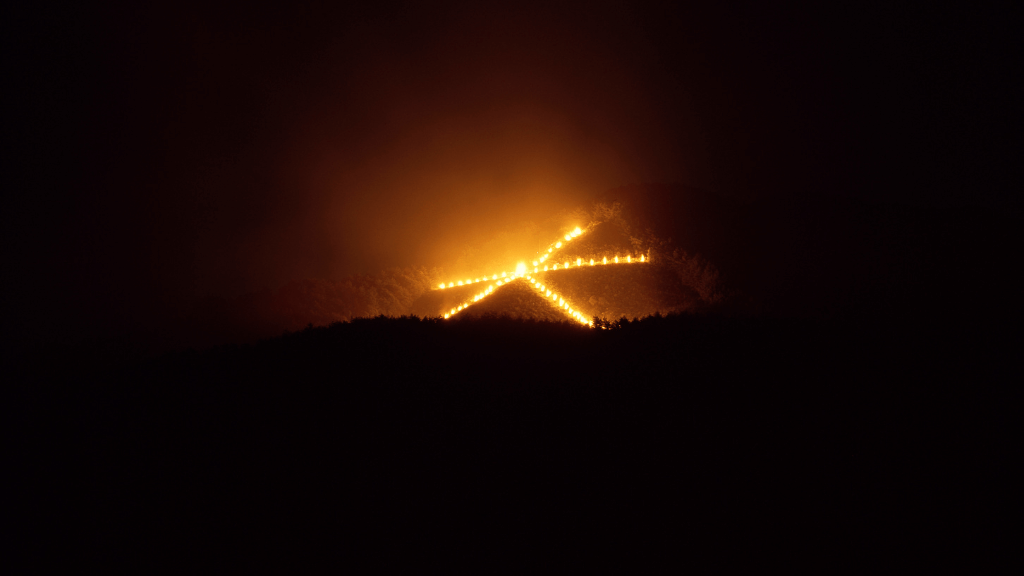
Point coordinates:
[(209, 210), (159, 154)]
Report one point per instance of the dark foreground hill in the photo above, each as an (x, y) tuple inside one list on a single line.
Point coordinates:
[(704, 442)]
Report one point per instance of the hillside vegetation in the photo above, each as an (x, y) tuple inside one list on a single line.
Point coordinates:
[(674, 282)]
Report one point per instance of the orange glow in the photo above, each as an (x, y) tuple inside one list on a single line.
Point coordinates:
[(522, 270), (563, 305), (442, 285)]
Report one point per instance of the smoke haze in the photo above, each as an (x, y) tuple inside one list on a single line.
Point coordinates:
[(163, 154)]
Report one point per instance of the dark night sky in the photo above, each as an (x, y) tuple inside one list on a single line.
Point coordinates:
[(156, 154)]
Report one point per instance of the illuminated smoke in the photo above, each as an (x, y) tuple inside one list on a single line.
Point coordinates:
[(521, 271)]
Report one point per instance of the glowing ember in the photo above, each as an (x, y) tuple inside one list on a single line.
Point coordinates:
[(521, 271)]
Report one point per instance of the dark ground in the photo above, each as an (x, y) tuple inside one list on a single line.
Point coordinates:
[(708, 443)]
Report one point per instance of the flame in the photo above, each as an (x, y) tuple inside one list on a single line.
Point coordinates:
[(563, 305), (442, 285), (520, 271)]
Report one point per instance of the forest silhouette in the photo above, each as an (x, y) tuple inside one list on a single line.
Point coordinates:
[(464, 438), (851, 396)]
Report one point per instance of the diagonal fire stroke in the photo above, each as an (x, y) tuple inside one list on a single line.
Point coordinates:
[(521, 272)]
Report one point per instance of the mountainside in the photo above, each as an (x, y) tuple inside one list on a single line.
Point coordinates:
[(684, 436)]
